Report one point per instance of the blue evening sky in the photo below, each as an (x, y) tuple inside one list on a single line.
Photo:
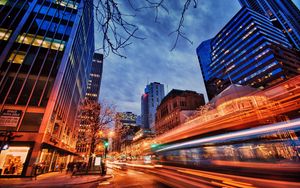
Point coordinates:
[(151, 60)]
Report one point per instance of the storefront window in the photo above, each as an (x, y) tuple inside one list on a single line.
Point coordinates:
[(12, 160)]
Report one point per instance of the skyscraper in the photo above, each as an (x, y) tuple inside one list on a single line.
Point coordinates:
[(94, 83), (249, 50), (283, 14), (45, 59), (154, 93), (92, 93)]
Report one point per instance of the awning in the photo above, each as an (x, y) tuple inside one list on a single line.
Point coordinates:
[(59, 150)]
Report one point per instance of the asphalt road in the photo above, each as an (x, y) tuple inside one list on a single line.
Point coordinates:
[(132, 179), (183, 178)]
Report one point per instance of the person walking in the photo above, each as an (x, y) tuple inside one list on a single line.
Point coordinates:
[(68, 168), (74, 170), (61, 167)]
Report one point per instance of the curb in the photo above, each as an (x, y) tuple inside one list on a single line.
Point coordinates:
[(99, 179), (54, 185)]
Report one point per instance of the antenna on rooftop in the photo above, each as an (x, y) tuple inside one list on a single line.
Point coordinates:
[(167, 88)]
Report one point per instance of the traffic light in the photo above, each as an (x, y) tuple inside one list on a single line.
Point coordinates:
[(105, 143)]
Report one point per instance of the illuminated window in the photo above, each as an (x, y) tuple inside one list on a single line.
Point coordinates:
[(54, 44), (66, 3), (4, 34), (3, 2), (17, 57)]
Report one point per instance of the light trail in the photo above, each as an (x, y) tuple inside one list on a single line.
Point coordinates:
[(260, 130)]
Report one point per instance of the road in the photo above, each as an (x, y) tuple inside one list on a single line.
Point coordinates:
[(134, 179), (182, 178)]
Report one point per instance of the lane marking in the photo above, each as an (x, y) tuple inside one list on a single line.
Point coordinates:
[(238, 184), (104, 183), (221, 184)]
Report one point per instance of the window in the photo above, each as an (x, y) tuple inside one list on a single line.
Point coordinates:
[(17, 57), (31, 122), (45, 42), (4, 34)]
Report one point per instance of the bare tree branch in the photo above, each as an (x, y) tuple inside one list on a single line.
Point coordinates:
[(117, 31)]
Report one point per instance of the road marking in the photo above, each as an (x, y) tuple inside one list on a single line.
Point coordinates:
[(239, 184), (221, 184), (104, 183)]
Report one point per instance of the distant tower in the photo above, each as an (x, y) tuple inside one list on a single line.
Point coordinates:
[(94, 82), (283, 13), (154, 93)]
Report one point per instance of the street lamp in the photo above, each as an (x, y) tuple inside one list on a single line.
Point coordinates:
[(111, 133)]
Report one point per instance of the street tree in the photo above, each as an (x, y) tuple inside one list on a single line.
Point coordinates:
[(95, 121)]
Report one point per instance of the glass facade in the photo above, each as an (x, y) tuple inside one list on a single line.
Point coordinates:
[(94, 83), (283, 13), (45, 58), (154, 93), (248, 51)]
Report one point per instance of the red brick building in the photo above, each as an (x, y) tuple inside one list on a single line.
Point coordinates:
[(175, 108)]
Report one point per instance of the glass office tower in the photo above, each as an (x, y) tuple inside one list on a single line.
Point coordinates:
[(94, 83), (45, 58), (249, 50), (154, 93), (283, 14)]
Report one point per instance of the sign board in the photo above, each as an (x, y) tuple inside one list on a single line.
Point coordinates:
[(10, 118), (97, 161)]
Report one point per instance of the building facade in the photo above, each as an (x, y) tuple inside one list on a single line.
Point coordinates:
[(46, 54), (154, 93), (92, 93), (125, 129), (94, 83), (249, 50), (175, 108), (283, 13)]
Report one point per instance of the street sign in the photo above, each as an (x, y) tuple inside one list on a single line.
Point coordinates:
[(10, 118)]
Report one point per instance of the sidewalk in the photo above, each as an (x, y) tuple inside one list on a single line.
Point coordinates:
[(53, 179)]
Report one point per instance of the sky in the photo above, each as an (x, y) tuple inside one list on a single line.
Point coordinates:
[(150, 60)]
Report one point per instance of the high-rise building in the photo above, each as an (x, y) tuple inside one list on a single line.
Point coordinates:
[(94, 83), (283, 13), (154, 93), (45, 59), (249, 50), (125, 129), (92, 93)]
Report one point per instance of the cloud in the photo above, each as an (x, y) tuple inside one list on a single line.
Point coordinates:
[(151, 60)]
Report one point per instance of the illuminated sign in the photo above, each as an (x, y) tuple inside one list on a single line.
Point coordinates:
[(10, 118), (97, 161)]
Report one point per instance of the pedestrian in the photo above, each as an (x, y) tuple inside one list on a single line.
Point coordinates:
[(74, 170), (68, 168), (35, 169), (103, 168), (61, 167)]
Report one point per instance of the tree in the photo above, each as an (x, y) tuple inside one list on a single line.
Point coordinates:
[(95, 120), (118, 30)]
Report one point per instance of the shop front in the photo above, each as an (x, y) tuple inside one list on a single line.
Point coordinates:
[(53, 159), (14, 160)]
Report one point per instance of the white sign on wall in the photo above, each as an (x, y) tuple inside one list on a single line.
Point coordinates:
[(10, 118), (97, 161)]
